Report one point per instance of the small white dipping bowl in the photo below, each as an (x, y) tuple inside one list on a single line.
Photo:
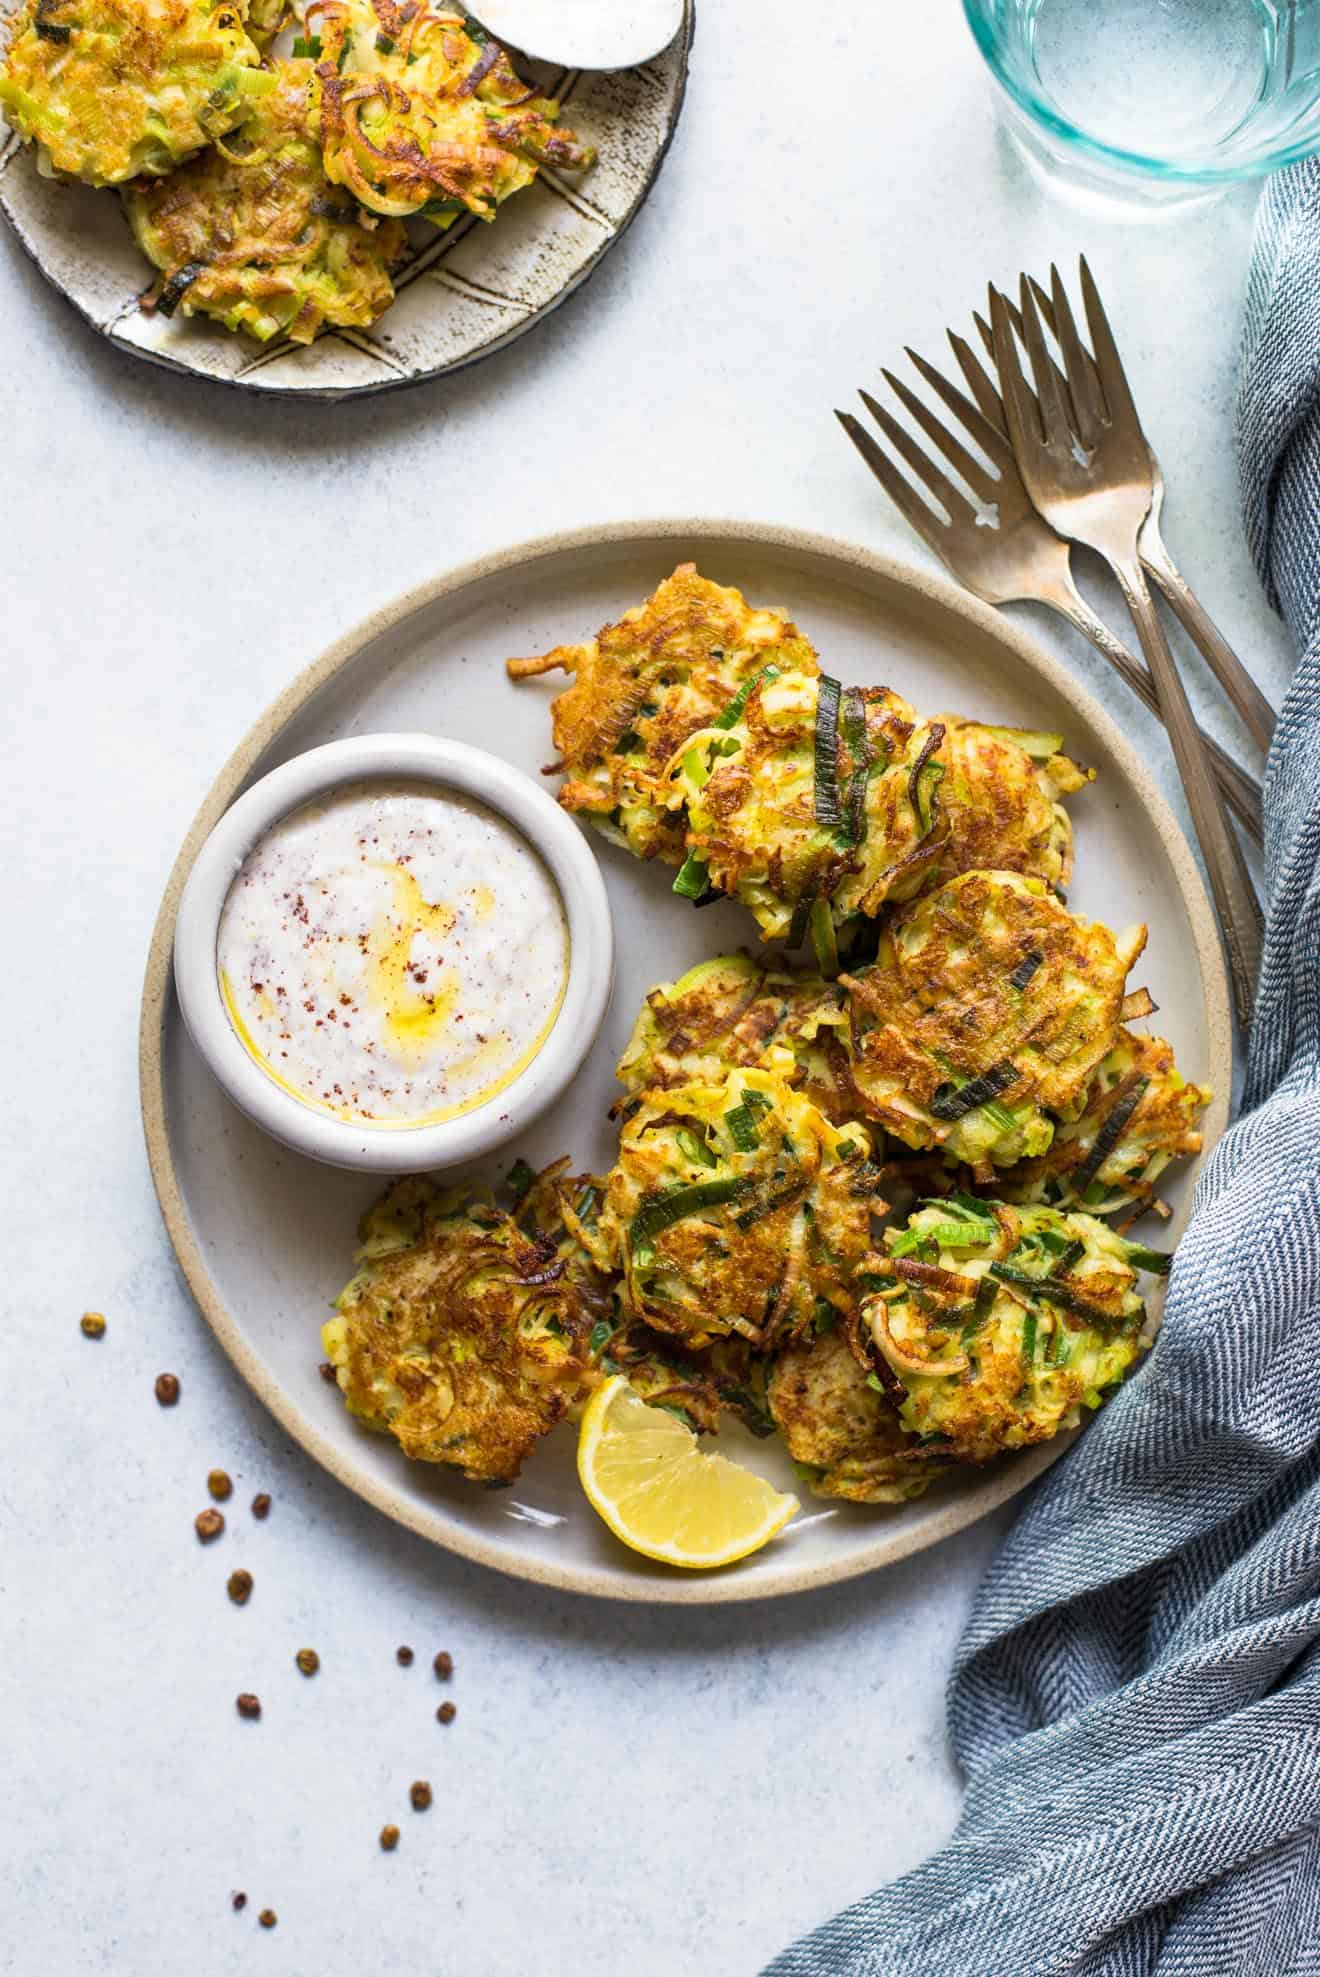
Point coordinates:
[(450, 765)]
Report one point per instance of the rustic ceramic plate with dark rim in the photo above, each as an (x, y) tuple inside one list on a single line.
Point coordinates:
[(266, 1237), (462, 295)]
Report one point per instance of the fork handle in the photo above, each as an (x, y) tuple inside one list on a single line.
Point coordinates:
[(1240, 914), (1240, 789), (1257, 714)]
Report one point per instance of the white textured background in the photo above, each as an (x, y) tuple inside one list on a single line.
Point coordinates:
[(624, 1791)]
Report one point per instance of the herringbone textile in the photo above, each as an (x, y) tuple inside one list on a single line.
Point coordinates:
[(1136, 1702)]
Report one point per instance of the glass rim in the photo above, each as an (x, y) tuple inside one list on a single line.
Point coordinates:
[(1040, 112)]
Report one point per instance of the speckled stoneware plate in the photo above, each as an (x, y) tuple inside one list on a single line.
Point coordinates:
[(461, 295), (266, 1239)]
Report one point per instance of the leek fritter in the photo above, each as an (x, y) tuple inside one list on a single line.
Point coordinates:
[(680, 662), (841, 1429), (1140, 1114), (423, 118), (253, 234), (998, 1325), (728, 1012), (847, 799), (736, 1207), (110, 90), (466, 1332), (986, 1015)]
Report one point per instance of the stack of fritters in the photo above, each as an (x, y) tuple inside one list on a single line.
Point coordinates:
[(268, 191), (971, 1059)]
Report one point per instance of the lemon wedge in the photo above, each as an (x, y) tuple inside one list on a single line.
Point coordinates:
[(645, 1475)]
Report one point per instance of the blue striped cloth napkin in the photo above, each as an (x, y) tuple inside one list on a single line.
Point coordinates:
[(1136, 1701)]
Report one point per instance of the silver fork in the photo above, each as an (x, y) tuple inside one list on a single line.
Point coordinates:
[(1020, 558), (1087, 467), (1254, 710)]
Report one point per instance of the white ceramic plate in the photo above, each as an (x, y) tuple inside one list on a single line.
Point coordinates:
[(266, 1238), (461, 295)]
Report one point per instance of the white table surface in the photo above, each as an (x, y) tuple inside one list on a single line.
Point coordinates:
[(624, 1790)]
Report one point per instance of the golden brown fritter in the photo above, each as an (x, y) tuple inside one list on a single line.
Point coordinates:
[(736, 1207), (466, 1332), (1000, 797), (112, 89), (989, 1005), (641, 687), (838, 1424), (421, 118), (253, 234), (1140, 1114), (728, 1012), (998, 1325)]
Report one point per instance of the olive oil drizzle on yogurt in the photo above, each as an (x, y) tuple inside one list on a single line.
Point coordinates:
[(393, 954)]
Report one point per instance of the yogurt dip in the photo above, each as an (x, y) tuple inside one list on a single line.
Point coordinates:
[(394, 954)]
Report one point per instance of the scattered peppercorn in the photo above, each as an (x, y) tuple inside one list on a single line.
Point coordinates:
[(443, 1666), (268, 1918), (308, 1660), (240, 1900), (248, 1705), (208, 1525), (404, 1657), (167, 1389), (389, 1838), (446, 1713), (420, 1794), (328, 1373), (261, 1505), (240, 1587), (219, 1485), (92, 1325)]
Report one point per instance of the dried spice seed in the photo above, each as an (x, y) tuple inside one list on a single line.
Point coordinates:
[(208, 1525), (219, 1485), (420, 1794), (443, 1666), (389, 1838), (239, 1587), (268, 1918), (240, 1901), (328, 1374), (446, 1712), (167, 1389), (92, 1325), (261, 1505), (404, 1657), (308, 1660), (248, 1705)]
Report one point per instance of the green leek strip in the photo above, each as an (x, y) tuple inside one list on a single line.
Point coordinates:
[(1032, 741), (742, 1128), (1054, 1293), (767, 1205), (827, 751), (601, 1333), (695, 1149), (823, 939), (986, 1293), (932, 775), (797, 926), (955, 1101), (693, 881), (308, 46), (946, 1235), (1025, 969), (1159, 1261), (660, 1211), (999, 1115), (757, 1100), (743, 695), (1029, 1336), (520, 1178), (965, 1206), (1058, 1352), (866, 1179), (852, 831), (1110, 1133), (1063, 1263)]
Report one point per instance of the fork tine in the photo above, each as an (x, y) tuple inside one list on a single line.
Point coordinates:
[(1082, 383), (1020, 406), (958, 507), (1108, 363), (988, 434), (904, 496), (983, 484), (991, 404), (1055, 410)]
